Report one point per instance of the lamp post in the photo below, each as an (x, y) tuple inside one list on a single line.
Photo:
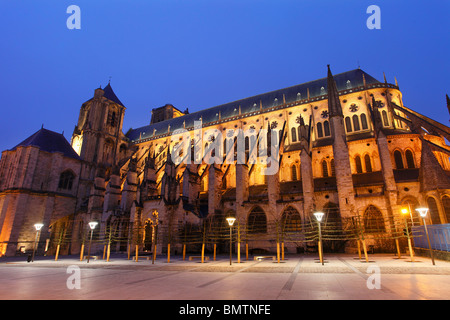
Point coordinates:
[(38, 227), (423, 213), (319, 216), (405, 212), (231, 221), (92, 225)]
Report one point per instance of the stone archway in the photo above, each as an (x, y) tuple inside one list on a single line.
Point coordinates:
[(257, 221), (332, 231)]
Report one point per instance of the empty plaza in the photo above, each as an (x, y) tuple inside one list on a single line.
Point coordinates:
[(297, 277)]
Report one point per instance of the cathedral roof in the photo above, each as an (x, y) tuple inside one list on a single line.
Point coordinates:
[(347, 80), (49, 141), (109, 94)]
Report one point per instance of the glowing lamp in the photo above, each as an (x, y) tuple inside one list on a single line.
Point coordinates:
[(231, 221), (92, 225), (38, 226), (422, 211), (319, 216)]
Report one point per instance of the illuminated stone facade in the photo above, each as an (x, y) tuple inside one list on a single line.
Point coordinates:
[(347, 146)]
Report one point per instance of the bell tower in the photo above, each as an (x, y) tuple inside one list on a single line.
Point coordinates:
[(98, 137)]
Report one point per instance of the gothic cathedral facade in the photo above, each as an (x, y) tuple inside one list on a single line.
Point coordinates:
[(345, 145)]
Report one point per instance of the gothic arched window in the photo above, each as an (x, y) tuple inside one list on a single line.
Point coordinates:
[(434, 211), (368, 163), (364, 125), (112, 118), (324, 169), (356, 126), (294, 173), (319, 130), (293, 135), (358, 164), (373, 220), (66, 180), (409, 159), (348, 124), (257, 221), (398, 160), (326, 128), (247, 144), (385, 118), (291, 220), (446, 205)]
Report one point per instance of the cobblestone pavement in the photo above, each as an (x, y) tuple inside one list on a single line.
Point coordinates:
[(298, 277)]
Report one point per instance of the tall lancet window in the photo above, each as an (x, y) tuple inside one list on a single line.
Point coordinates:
[(333, 168), (293, 135), (326, 128), (324, 169), (364, 125), (409, 159), (294, 173), (112, 118), (358, 164), (368, 163), (348, 124), (355, 119), (319, 130), (398, 160), (385, 118)]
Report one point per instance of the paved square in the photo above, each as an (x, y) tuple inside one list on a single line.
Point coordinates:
[(298, 277)]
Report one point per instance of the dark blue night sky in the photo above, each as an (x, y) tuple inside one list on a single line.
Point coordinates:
[(199, 54)]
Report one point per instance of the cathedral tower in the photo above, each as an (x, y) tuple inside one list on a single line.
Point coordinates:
[(97, 137)]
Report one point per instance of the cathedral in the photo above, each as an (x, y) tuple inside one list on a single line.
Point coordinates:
[(344, 145)]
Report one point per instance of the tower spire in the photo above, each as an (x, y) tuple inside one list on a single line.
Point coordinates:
[(448, 99), (448, 103), (334, 104)]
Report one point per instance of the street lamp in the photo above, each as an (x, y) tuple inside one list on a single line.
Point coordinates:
[(423, 213), (405, 210), (319, 216), (92, 225), (231, 221), (38, 227)]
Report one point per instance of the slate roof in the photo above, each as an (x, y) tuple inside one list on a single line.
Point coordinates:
[(347, 80), (109, 94), (49, 141)]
